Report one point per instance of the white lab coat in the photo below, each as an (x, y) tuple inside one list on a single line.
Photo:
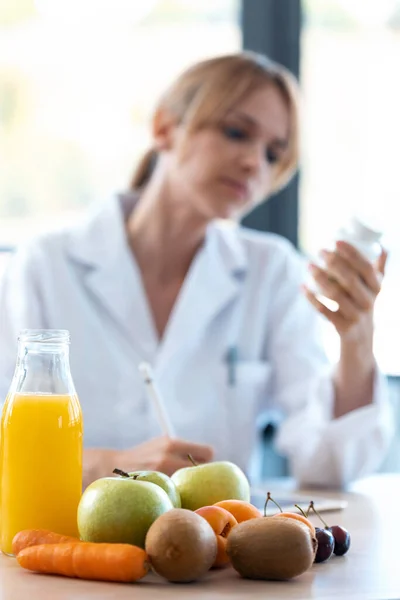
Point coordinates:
[(242, 292)]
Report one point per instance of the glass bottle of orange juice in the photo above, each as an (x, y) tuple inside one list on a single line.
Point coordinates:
[(41, 440)]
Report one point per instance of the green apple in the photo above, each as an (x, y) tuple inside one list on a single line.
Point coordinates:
[(120, 510), (163, 481), (203, 485)]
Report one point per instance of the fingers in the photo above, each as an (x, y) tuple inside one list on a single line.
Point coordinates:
[(170, 463), (381, 263), (335, 317), (164, 454), (350, 283), (332, 290), (360, 265), (200, 452), (174, 454)]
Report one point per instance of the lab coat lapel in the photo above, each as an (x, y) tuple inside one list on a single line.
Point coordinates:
[(101, 248), (213, 282)]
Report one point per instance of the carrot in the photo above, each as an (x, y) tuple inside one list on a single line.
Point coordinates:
[(33, 537), (87, 560)]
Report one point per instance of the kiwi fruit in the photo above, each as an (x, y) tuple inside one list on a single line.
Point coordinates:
[(181, 545), (269, 548)]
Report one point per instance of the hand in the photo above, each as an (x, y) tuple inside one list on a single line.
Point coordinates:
[(354, 283), (158, 454), (163, 454)]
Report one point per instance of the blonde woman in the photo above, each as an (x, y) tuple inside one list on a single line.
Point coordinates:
[(165, 274)]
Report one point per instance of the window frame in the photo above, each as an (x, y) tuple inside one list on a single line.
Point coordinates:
[(273, 27)]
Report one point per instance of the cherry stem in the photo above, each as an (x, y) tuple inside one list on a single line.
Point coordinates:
[(302, 511), (194, 463), (312, 507), (122, 473), (266, 503)]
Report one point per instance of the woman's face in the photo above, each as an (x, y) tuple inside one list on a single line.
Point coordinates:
[(225, 170)]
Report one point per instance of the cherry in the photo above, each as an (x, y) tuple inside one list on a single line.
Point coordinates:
[(325, 540), (326, 544), (340, 534), (342, 539), (269, 498)]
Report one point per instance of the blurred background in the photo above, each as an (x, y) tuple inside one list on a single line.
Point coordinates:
[(79, 79)]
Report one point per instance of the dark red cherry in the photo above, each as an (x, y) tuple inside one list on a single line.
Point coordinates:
[(342, 539), (326, 544)]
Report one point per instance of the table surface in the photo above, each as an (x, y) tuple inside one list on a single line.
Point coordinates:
[(370, 570)]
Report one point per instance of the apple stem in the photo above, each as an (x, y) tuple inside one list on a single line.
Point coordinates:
[(122, 473), (266, 503), (194, 463), (302, 511), (312, 507)]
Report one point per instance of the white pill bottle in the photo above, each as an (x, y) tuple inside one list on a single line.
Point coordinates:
[(362, 237)]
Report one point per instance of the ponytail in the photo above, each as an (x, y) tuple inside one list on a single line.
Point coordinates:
[(144, 169)]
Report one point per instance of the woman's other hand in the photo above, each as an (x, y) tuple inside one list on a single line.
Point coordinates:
[(163, 454), (158, 454)]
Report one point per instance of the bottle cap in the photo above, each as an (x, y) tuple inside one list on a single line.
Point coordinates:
[(364, 231)]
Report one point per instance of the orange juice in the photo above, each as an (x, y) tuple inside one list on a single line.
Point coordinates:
[(41, 464)]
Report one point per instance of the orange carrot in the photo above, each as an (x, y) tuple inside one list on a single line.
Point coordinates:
[(87, 560), (33, 537)]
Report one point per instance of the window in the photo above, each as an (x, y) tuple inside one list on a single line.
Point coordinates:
[(349, 70), (78, 81)]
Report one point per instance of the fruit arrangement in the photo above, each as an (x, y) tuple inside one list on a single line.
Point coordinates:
[(180, 528), (331, 540)]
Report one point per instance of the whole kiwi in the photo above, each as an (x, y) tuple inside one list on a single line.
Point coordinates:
[(271, 548), (181, 545)]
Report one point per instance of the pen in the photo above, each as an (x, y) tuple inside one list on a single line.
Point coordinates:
[(156, 398), (231, 359)]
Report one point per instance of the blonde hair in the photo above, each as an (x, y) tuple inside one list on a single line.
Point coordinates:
[(205, 92)]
